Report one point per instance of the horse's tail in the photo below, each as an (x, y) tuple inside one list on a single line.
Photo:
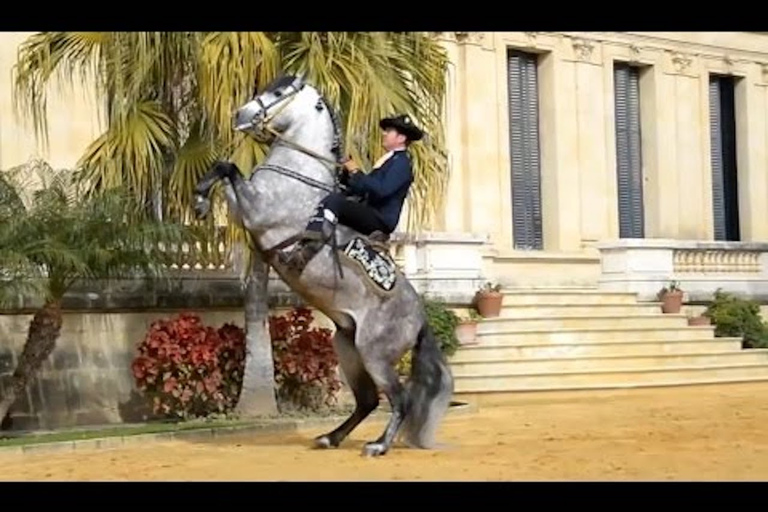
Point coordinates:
[(430, 389)]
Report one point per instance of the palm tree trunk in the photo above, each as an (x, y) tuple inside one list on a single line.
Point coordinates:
[(44, 330), (257, 397)]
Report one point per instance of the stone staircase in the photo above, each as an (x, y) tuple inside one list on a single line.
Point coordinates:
[(568, 339)]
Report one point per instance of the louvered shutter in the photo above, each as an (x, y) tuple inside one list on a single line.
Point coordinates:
[(524, 151), (716, 143), (629, 171)]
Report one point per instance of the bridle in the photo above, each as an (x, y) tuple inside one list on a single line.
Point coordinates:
[(261, 122)]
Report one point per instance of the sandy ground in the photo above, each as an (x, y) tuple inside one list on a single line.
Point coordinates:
[(692, 433)]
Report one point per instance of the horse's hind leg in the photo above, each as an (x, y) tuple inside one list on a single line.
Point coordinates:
[(385, 376), (363, 388)]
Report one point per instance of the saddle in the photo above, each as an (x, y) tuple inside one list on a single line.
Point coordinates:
[(370, 256)]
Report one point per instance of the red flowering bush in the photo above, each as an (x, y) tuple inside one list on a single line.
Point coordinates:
[(305, 362), (188, 369)]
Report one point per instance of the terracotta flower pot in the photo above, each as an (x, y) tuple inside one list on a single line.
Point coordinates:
[(489, 303), (699, 320), (672, 302), (466, 333)]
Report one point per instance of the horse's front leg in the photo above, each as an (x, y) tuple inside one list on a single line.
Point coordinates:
[(203, 190), (220, 170)]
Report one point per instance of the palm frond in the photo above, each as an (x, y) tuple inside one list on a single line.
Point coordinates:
[(231, 66), (47, 55), (63, 237), (131, 153), (193, 160)]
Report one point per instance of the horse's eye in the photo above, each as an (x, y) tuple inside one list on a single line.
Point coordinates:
[(278, 93)]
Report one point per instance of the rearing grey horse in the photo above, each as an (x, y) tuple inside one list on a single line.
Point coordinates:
[(377, 313)]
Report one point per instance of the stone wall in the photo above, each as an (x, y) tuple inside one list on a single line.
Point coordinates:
[(87, 379)]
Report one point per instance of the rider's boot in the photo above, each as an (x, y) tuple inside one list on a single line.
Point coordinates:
[(318, 231)]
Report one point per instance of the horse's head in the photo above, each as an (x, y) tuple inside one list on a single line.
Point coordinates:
[(275, 107)]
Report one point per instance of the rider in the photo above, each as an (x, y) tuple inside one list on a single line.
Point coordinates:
[(383, 190)]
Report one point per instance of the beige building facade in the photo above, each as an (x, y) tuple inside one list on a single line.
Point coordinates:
[(648, 149), (576, 158)]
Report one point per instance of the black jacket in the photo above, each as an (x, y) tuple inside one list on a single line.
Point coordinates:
[(384, 189)]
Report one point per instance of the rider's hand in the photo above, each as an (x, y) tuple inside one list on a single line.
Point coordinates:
[(351, 166)]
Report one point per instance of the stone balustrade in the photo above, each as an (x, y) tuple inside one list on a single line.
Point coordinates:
[(700, 267), (448, 266)]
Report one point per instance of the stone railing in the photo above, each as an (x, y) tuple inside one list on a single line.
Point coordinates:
[(700, 267), (201, 256), (448, 266)]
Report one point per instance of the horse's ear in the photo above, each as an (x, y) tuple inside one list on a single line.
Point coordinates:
[(300, 80)]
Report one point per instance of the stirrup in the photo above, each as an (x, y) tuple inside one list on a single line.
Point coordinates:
[(305, 249)]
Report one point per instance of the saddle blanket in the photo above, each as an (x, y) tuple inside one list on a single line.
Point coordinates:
[(377, 265)]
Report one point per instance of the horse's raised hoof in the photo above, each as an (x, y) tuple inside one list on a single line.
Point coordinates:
[(324, 442), (202, 206), (374, 449)]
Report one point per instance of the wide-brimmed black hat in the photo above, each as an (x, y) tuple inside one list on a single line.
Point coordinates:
[(403, 124)]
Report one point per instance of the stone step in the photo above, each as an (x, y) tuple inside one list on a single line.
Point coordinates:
[(472, 353), (612, 378), (659, 320), (583, 296), (522, 367), (544, 336), (549, 310)]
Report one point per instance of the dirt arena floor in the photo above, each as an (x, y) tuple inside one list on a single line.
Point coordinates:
[(692, 433)]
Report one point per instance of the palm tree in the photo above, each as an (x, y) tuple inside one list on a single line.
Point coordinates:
[(169, 97), (53, 239)]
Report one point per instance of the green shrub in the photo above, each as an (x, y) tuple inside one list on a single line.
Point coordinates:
[(443, 322), (735, 317)]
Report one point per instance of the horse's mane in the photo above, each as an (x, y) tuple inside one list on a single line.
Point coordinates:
[(337, 146)]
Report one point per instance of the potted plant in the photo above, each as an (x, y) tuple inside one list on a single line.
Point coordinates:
[(488, 300), (466, 330), (671, 297), (699, 320)]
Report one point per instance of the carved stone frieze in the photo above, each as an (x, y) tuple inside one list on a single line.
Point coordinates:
[(681, 62), (582, 49), (531, 38), (470, 37), (460, 37)]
